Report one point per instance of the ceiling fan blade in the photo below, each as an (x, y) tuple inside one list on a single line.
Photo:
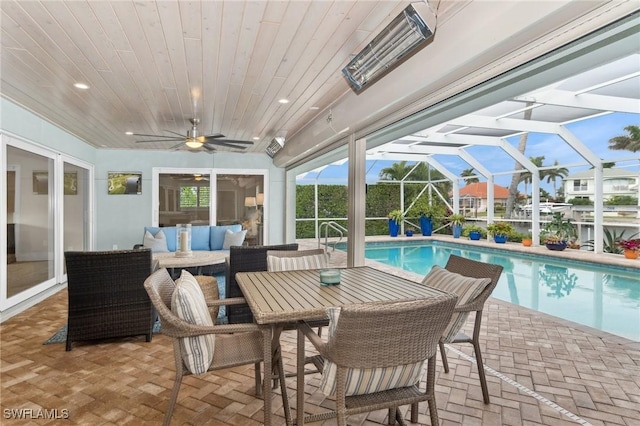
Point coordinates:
[(175, 133), (226, 144), (161, 140), (208, 148), (238, 142), (157, 136), (177, 146), (214, 136)]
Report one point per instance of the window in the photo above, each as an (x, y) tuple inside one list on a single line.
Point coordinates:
[(194, 196), (579, 185)]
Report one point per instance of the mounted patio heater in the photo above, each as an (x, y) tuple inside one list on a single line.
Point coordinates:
[(408, 32)]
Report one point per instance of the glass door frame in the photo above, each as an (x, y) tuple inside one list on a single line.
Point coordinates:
[(213, 188), (55, 202)]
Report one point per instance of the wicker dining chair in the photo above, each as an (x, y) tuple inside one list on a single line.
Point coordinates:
[(246, 259), (106, 295), (472, 269), (235, 344), (394, 339), (288, 260)]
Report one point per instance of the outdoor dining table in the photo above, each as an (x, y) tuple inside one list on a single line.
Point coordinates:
[(279, 298)]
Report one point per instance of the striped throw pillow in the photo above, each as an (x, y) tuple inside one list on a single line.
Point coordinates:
[(466, 288), (361, 381), (314, 261), (188, 303)]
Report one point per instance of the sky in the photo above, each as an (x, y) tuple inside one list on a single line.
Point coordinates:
[(594, 133)]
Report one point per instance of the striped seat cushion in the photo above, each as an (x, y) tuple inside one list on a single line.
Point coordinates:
[(466, 288), (188, 303), (314, 261), (360, 381)]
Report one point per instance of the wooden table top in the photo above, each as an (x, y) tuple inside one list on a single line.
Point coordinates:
[(276, 297), (199, 258)]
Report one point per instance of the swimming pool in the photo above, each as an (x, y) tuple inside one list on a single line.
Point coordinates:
[(602, 297)]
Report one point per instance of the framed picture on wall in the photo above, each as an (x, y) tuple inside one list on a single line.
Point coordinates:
[(40, 182), (71, 183), (124, 183)]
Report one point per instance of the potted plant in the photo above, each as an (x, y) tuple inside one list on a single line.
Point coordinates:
[(427, 213), (409, 232), (456, 221), (474, 232), (557, 233), (631, 248), (500, 231), (527, 240), (395, 219)]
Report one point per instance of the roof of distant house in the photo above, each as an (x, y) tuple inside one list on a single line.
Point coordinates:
[(479, 190)]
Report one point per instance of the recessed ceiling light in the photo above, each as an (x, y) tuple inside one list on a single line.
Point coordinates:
[(314, 107), (128, 133), (256, 138), (81, 86), (284, 101)]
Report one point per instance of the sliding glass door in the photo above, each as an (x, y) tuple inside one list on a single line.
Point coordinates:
[(184, 196)]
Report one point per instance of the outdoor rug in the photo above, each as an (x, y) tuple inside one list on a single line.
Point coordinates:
[(60, 336)]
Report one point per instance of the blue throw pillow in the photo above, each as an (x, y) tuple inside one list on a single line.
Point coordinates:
[(217, 235), (200, 238)]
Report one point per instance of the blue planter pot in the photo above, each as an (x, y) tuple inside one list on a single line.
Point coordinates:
[(457, 231), (394, 227), (475, 235), (426, 226), (500, 239), (408, 233), (556, 247)]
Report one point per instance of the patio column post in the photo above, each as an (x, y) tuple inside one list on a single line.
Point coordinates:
[(356, 212)]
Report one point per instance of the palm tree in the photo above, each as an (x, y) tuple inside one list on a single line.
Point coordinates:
[(526, 177), (554, 174), (397, 171), (469, 172), (628, 142)]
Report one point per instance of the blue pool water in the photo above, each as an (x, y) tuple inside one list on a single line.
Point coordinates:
[(602, 297)]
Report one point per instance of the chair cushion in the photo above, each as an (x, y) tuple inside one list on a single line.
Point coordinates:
[(188, 303), (217, 233), (314, 261), (200, 237), (361, 381), (233, 238), (157, 243), (466, 288)]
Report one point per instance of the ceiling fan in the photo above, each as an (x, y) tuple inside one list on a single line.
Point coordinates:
[(194, 141)]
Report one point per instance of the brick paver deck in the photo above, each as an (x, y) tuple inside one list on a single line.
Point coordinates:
[(542, 371)]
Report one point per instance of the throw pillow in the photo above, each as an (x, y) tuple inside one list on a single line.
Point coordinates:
[(188, 303), (361, 381), (466, 288), (157, 243), (216, 235), (233, 238), (314, 261)]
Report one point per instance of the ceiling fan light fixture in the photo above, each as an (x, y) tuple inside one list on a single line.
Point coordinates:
[(194, 143)]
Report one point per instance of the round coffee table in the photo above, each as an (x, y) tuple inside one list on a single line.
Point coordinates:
[(197, 260)]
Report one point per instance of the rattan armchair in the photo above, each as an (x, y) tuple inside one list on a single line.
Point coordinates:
[(106, 295), (383, 336), (246, 259), (235, 344), (474, 269)]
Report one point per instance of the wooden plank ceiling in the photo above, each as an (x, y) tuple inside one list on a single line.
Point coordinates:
[(151, 66)]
